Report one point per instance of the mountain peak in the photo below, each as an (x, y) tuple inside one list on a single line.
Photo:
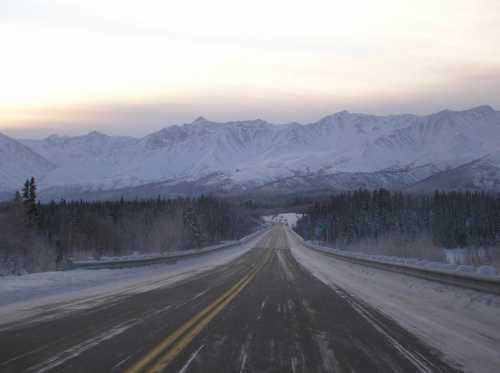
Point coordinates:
[(200, 119), (96, 134), (332, 118), (52, 137), (483, 109), (4, 139)]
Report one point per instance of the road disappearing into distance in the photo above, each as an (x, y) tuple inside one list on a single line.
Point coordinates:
[(262, 312)]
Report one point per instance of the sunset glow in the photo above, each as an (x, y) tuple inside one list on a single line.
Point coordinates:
[(116, 62)]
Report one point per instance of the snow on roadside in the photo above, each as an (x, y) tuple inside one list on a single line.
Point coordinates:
[(24, 296), (463, 324), (289, 218), (143, 256), (481, 271)]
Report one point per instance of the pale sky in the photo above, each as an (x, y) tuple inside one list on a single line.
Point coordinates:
[(131, 67)]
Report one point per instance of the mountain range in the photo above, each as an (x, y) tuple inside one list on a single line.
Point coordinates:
[(446, 150)]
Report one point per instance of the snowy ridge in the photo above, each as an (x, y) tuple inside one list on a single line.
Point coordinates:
[(17, 162), (341, 151)]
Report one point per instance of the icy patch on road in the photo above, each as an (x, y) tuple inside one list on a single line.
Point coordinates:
[(77, 350), (463, 324), (262, 306), (284, 265), (190, 360), (245, 348), (328, 360)]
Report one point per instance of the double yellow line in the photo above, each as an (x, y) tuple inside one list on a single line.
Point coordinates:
[(167, 350)]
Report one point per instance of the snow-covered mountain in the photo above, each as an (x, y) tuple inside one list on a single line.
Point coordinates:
[(17, 162), (479, 175), (341, 151)]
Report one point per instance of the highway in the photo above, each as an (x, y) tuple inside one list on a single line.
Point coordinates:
[(262, 312)]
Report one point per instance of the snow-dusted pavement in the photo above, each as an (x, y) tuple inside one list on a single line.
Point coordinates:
[(28, 296), (261, 312), (270, 305), (463, 324)]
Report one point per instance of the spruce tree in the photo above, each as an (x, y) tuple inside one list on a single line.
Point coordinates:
[(17, 198), (29, 199), (32, 191), (26, 191)]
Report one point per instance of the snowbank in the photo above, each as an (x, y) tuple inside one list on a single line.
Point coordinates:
[(289, 218), (482, 271), (463, 324), (152, 258), (24, 296), (137, 257)]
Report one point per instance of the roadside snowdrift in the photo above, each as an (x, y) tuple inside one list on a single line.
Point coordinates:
[(23, 297), (463, 324)]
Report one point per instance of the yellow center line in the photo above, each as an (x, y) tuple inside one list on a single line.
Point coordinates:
[(172, 345)]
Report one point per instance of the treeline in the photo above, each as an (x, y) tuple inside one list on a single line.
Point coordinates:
[(36, 237), (449, 219)]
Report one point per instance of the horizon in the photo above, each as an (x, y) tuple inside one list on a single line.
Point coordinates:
[(46, 133), (75, 66)]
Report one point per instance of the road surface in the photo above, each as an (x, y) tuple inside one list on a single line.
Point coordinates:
[(262, 312)]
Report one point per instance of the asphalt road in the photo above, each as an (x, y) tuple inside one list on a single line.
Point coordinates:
[(262, 312)]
